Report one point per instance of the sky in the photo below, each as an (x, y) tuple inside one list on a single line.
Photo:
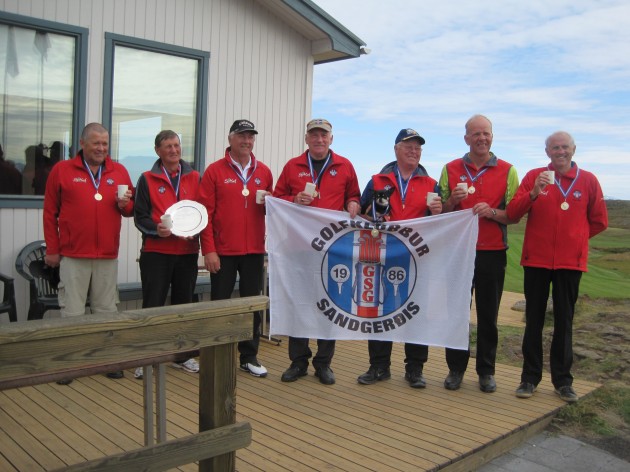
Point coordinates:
[(532, 68)]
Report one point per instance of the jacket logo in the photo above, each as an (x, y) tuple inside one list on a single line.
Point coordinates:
[(162, 189), (110, 181), (257, 181), (577, 195), (304, 174), (462, 178), (333, 172), (229, 181), (80, 179)]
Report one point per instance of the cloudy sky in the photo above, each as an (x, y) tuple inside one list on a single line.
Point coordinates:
[(532, 67)]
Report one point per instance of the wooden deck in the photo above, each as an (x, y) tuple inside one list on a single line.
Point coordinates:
[(300, 426)]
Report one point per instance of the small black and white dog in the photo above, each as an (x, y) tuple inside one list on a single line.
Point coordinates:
[(379, 208)]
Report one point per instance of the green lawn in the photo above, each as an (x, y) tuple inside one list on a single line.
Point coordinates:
[(608, 273)]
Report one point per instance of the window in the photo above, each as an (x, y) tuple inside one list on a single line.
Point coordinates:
[(152, 87), (42, 84)]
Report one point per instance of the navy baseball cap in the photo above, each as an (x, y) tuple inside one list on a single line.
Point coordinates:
[(407, 134)]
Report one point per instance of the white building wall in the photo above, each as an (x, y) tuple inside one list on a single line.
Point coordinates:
[(260, 69)]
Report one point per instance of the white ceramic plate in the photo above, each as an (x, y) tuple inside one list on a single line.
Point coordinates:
[(189, 218)]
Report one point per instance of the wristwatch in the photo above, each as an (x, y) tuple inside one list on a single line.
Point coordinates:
[(494, 212)]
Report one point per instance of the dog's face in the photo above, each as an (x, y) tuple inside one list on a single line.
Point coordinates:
[(380, 201)]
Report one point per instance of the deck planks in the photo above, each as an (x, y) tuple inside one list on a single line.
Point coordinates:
[(299, 426)]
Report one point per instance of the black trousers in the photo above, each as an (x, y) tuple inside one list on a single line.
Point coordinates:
[(487, 284), (159, 272), (381, 354), (249, 268), (565, 288), (300, 352)]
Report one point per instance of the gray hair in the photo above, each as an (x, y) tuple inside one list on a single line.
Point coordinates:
[(92, 128), (557, 133)]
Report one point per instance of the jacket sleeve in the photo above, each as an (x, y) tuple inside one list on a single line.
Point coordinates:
[(143, 209), (521, 203), (207, 197), (353, 192), (597, 213), (445, 190), (366, 197), (52, 206), (283, 188)]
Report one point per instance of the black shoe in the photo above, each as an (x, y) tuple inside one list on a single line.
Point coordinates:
[(64, 382), (325, 375), (567, 394), (453, 380), (293, 373), (415, 379), (119, 374), (525, 390), (487, 383), (373, 375)]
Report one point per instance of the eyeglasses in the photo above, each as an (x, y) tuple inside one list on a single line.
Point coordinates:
[(411, 146)]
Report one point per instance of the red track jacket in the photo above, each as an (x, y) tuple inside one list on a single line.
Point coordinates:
[(556, 238), (77, 225), (236, 223), (338, 186)]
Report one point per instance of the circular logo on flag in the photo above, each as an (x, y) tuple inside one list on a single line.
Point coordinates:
[(368, 276)]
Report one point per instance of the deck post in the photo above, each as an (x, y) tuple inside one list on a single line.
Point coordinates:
[(217, 399)]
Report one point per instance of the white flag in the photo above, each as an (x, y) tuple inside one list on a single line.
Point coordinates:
[(331, 277)]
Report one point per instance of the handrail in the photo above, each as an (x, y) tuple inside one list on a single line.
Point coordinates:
[(43, 350)]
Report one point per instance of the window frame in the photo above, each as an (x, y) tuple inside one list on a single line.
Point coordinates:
[(203, 57), (80, 35)]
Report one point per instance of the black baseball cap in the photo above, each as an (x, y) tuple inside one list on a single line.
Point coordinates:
[(241, 126)]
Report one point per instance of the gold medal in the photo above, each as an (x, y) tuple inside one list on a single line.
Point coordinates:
[(564, 206), (98, 197), (471, 190), (245, 191), (375, 233)]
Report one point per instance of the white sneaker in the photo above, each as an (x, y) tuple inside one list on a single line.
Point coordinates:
[(255, 369), (138, 374), (191, 365)]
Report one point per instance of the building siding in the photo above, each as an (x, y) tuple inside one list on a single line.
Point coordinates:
[(260, 69)]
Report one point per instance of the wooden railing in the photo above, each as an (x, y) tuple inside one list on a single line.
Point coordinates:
[(43, 351)]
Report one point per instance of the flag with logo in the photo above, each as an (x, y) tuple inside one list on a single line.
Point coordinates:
[(331, 277)]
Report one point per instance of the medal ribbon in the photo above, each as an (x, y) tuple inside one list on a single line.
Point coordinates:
[(239, 174), (95, 181), (402, 185), (321, 172), (479, 174), (564, 194), (179, 178)]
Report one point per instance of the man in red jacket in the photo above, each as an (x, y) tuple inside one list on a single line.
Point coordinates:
[(82, 221), (410, 183), (484, 183), (564, 210), (234, 240), (167, 261), (332, 184)]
